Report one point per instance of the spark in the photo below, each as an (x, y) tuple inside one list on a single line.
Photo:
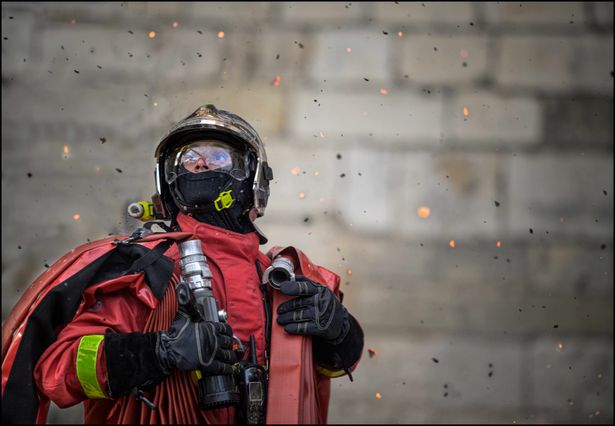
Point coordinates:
[(400, 34), (76, 216), (423, 212), (384, 91), (316, 173), (560, 346), (349, 271), (498, 244), (466, 111), (378, 395), (152, 34), (295, 170), (221, 34), (301, 195), (276, 81), (175, 24), (349, 49), (451, 244), (66, 150), (155, 104)]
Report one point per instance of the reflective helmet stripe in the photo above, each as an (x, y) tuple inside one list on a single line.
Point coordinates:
[(86, 365), (330, 373)]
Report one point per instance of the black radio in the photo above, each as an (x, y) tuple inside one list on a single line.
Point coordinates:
[(251, 379)]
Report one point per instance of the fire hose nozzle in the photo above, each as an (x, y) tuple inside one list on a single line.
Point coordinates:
[(282, 269)]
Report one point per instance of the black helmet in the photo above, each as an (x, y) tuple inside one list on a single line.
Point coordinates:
[(209, 122)]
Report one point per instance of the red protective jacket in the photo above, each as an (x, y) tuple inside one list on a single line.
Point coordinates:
[(127, 304)]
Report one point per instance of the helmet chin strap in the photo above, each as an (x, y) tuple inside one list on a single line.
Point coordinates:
[(252, 215)]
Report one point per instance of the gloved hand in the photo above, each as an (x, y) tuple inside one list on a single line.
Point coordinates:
[(144, 359), (189, 345), (316, 311)]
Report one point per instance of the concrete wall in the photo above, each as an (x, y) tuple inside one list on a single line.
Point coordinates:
[(495, 116)]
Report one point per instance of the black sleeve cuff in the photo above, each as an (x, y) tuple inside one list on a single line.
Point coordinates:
[(131, 361), (343, 355)]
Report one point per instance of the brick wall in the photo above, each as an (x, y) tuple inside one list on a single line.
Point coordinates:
[(495, 116)]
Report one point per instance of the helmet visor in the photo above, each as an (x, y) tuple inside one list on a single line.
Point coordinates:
[(204, 156)]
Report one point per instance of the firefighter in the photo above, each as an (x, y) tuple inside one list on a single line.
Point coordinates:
[(115, 337)]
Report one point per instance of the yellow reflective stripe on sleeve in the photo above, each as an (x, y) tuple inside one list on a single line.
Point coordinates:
[(330, 373), (86, 365)]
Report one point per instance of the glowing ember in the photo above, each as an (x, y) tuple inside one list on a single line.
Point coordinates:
[(349, 271), (276, 81), (466, 111), (221, 34), (498, 244), (301, 195), (400, 34), (155, 104), (423, 212), (384, 91), (372, 352), (175, 24), (349, 49), (152, 34), (451, 243), (66, 150), (560, 346), (295, 170), (464, 53), (76, 216), (378, 395)]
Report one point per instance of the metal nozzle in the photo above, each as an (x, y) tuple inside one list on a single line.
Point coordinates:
[(190, 248), (281, 270), (193, 264)]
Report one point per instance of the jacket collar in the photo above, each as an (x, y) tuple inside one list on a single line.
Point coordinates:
[(219, 241)]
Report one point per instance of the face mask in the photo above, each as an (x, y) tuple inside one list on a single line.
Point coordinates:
[(214, 191), (199, 190)]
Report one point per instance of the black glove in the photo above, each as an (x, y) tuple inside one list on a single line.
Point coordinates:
[(204, 345), (338, 339), (144, 359), (316, 311)]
